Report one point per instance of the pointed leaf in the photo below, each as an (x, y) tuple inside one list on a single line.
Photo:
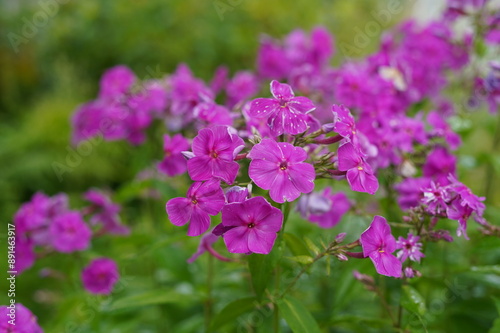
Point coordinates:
[(232, 311), (297, 316)]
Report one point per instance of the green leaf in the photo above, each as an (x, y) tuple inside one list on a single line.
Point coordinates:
[(312, 246), (232, 311), (302, 259), (261, 268), (296, 245), (413, 301), (496, 323), (152, 297), (297, 316)]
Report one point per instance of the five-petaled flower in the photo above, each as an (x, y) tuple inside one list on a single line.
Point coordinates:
[(359, 173), (285, 113), (378, 244), (280, 168), (214, 151), (251, 226), (202, 200)]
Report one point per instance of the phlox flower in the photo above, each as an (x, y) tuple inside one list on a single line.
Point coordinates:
[(70, 233), (280, 168), (174, 163), (378, 244), (202, 200), (25, 321), (100, 276), (285, 113), (409, 247), (251, 226), (214, 151)]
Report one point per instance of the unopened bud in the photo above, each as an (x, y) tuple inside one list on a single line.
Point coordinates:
[(340, 237)]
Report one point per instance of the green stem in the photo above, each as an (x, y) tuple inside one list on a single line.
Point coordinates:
[(209, 301)]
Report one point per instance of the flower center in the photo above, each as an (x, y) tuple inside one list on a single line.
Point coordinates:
[(194, 201), (283, 166), (214, 154), (360, 168), (283, 103), (251, 225)]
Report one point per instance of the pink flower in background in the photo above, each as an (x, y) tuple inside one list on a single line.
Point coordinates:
[(104, 212), (25, 321), (359, 173), (214, 151), (442, 129), (455, 211), (174, 163), (25, 254), (209, 114), (202, 200), (439, 165), (70, 233), (280, 168), (409, 247), (100, 276), (243, 85), (251, 226), (378, 244), (339, 205), (285, 113), (116, 82)]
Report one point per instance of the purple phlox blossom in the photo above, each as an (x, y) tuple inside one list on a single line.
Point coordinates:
[(187, 92), (436, 197), (408, 131), (100, 276), (466, 197), (206, 242), (326, 208), (280, 168), (219, 80), (25, 254), (440, 128), (492, 37), (25, 321), (251, 226), (272, 62), (439, 165), (378, 244), (359, 173), (174, 163), (409, 247), (116, 82), (209, 114), (202, 200), (410, 272), (70, 233), (214, 151), (236, 194), (243, 85), (105, 212), (34, 218), (285, 113)]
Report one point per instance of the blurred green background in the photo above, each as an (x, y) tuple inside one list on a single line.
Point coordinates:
[(59, 68)]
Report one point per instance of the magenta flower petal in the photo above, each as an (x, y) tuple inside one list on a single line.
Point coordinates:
[(262, 107), (361, 181), (283, 189), (348, 157), (260, 241), (302, 176), (236, 240), (200, 222), (386, 264), (100, 276), (179, 211), (70, 233), (281, 90), (266, 150), (301, 104), (225, 170), (198, 168), (263, 172)]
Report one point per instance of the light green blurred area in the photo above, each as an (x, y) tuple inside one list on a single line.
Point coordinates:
[(59, 68)]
